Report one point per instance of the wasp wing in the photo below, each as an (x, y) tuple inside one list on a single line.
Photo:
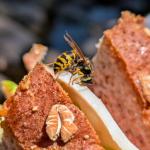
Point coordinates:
[(74, 45)]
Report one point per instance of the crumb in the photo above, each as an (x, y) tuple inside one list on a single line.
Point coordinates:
[(35, 108), (86, 137)]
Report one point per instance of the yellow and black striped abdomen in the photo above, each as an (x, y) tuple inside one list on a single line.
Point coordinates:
[(63, 62)]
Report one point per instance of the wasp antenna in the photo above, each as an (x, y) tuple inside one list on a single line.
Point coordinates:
[(50, 64)]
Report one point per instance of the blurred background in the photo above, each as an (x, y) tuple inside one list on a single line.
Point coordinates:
[(24, 22)]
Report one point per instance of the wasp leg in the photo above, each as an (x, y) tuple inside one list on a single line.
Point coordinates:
[(49, 64), (73, 73), (70, 79), (77, 71), (74, 80), (80, 83), (58, 74), (77, 78)]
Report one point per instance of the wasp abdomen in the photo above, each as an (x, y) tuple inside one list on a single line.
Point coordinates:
[(63, 62)]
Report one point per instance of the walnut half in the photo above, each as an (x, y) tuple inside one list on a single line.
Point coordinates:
[(53, 123), (60, 122)]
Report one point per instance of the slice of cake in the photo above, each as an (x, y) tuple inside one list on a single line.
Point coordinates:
[(41, 116), (122, 76)]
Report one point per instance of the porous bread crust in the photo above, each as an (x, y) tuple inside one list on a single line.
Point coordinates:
[(132, 60), (123, 56), (40, 89)]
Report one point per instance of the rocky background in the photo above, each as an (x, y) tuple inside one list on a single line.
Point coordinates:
[(23, 22)]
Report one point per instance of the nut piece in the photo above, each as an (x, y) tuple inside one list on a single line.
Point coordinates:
[(60, 120), (35, 108), (68, 127), (53, 123), (147, 30), (145, 84), (25, 83), (86, 137), (35, 55), (33, 147)]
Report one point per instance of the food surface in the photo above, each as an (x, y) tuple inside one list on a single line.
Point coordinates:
[(122, 70), (35, 55), (27, 121)]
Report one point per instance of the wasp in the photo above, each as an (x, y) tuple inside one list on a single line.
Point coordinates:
[(74, 62)]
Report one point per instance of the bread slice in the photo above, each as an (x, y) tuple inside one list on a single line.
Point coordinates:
[(25, 126), (122, 71)]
